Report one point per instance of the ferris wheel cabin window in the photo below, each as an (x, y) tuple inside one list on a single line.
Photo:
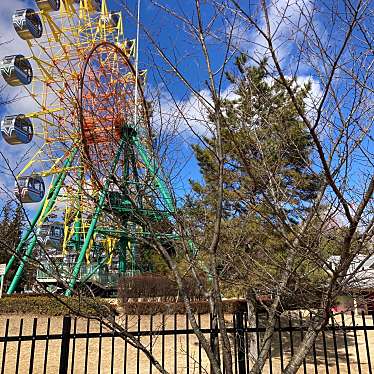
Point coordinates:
[(21, 182), (30, 188)]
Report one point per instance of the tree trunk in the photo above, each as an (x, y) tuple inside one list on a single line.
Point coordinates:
[(304, 348), (251, 336)]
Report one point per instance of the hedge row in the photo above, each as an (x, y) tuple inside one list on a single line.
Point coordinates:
[(147, 308), (153, 285), (51, 306)]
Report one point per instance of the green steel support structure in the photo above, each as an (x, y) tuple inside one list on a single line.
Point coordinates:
[(151, 166), (28, 232), (123, 241), (50, 199), (78, 222), (26, 257), (95, 217), (131, 142)]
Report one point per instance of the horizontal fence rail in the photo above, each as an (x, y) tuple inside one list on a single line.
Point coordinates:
[(76, 345)]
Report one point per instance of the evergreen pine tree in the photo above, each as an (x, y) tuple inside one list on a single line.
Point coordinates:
[(11, 220), (267, 166)]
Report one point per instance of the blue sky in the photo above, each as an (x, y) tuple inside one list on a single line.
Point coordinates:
[(173, 37), (170, 34), (165, 35)]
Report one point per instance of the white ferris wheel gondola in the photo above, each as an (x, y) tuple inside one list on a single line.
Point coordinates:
[(17, 129), (16, 70), (27, 24), (111, 19), (29, 189), (50, 235)]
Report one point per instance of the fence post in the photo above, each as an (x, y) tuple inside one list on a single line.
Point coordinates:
[(65, 341), (239, 327)]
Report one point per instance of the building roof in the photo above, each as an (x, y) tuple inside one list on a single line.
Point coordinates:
[(360, 274)]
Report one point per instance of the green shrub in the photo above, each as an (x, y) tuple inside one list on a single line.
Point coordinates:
[(51, 306)]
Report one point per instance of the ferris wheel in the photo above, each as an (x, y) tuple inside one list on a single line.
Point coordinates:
[(94, 158)]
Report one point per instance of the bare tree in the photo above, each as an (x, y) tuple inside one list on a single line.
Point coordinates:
[(327, 47), (338, 118)]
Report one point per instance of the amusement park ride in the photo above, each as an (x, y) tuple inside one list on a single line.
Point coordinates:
[(94, 174)]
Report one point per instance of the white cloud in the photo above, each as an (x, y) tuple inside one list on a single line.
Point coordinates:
[(188, 116), (288, 19), (314, 96), (289, 23)]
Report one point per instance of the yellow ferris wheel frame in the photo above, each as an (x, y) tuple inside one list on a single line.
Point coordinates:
[(68, 35)]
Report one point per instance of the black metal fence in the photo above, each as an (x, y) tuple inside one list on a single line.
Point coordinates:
[(71, 345)]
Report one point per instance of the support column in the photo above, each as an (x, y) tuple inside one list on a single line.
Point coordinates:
[(122, 246), (159, 183)]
